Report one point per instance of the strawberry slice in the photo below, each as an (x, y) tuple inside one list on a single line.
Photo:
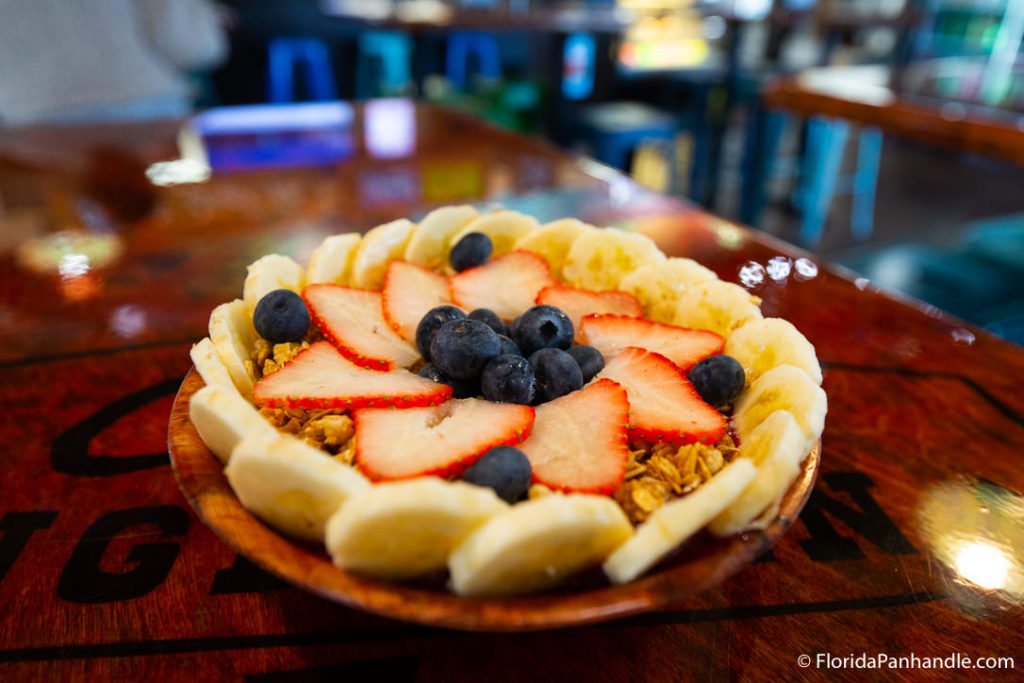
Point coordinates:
[(610, 334), (320, 377), (580, 302), (443, 440), (507, 285), (352, 319), (579, 441), (410, 291), (663, 405)]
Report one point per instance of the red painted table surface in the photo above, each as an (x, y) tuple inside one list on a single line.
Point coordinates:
[(911, 545)]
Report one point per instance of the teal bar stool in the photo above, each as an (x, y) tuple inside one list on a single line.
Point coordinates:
[(384, 64), (464, 44), (307, 56), (615, 129), (819, 179)]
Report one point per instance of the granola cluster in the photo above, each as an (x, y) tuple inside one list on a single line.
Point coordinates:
[(267, 358), (658, 472)]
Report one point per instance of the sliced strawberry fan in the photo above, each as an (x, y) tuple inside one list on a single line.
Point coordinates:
[(578, 303), (353, 320), (443, 440), (663, 405), (508, 285), (579, 441), (610, 334), (410, 291), (320, 377)]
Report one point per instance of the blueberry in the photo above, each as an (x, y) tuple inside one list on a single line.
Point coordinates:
[(718, 379), (505, 470), (461, 348), (508, 346), (460, 388), (490, 318), (557, 374), (589, 359), (472, 250), (508, 379), (542, 327), (431, 323), (281, 316)]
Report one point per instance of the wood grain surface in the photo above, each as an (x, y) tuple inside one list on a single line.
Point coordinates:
[(910, 543)]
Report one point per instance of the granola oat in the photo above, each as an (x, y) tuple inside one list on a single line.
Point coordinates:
[(657, 472), (267, 358), (328, 430)]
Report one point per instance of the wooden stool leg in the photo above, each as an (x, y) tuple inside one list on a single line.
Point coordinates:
[(826, 139)]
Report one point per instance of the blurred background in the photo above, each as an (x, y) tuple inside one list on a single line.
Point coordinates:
[(883, 135)]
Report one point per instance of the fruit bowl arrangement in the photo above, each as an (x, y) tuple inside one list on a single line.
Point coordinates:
[(443, 417)]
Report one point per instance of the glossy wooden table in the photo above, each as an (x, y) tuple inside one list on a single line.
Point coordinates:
[(911, 545)]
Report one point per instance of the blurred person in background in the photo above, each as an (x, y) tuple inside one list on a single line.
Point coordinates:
[(97, 60)]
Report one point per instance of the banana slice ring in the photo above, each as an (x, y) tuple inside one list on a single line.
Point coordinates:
[(428, 246), (380, 246), (764, 343), (402, 529), (268, 273), (553, 240), (331, 263), (290, 485), (233, 337), (602, 258), (505, 228), (223, 419), (717, 306), (776, 447), (658, 286), (677, 520), (536, 544), (782, 388)]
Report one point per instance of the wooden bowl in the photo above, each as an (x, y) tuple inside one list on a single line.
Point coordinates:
[(700, 565)]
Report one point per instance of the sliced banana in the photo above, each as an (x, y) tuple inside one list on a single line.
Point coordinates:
[(402, 529), (717, 306), (551, 241), (776, 447), (764, 343), (782, 388), (428, 246), (536, 544), (380, 246), (290, 485), (234, 338), (658, 286), (331, 263), (677, 520), (209, 365), (600, 259), (505, 228), (268, 273), (223, 418)]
